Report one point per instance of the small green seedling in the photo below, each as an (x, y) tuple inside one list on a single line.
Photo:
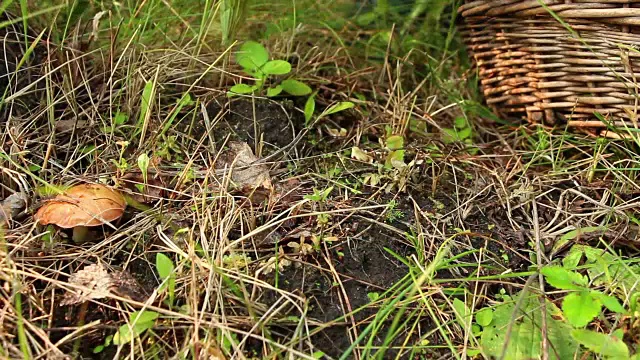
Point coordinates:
[(165, 268), (140, 321), (143, 165), (118, 120), (254, 60), (461, 131)]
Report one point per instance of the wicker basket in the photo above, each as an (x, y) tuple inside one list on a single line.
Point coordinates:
[(534, 67)]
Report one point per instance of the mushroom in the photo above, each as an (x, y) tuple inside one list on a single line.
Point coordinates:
[(81, 207)]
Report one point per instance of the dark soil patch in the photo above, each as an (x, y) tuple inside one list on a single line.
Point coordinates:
[(364, 267), (272, 123)]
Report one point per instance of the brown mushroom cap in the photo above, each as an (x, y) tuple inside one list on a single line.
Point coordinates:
[(82, 205)]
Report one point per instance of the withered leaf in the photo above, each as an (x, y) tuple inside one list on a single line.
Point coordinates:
[(100, 283), (239, 159)]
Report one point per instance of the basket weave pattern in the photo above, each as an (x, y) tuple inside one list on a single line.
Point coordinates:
[(533, 66)]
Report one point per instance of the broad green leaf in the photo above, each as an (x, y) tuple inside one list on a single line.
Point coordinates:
[(460, 122), (580, 308), (449, 135), (395, 159), (242, 89), (295, 87), (274, 91), (572, 259), (120, 118), (464, 133), (462, 312), (573, 234), (318, 355), (143, 317), (525, 339), (563, 279), (252, 55), (484, 317), (125, 336), (601, 344), (164, 265), (610, 302), (341, 106), (395, 142), (309, 109), (276, 67)]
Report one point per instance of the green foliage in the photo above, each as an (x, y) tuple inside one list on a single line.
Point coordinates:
[(295, 87), (319, 195), (309, 108), (165, 268), (608, 346), (394, 144), (525, 338), (461, 131), (583, 305), (139, 322), (118, 120), (254, 60)]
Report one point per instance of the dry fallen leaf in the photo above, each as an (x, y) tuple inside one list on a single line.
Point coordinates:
[(239, 158), (100, 283), (12, 206)]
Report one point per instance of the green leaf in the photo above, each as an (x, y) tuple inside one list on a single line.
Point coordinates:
[(462, 312), (373, 296), (120, 118), (309, 109), (572, 259), (143, 316), (252, 55), (571, 235), (610, 302), (143, 164), (449, 135), (318, 355), (460, 122), (580, 308), (341, 106), (484, 317), (395, 159), (295, 87), (524, 341), (242, 89), (98, 349), (395, 142), (274, 91), (563, 279), (464, 133), (602, 344), (164, 265), (276, 67), (125, 336)]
